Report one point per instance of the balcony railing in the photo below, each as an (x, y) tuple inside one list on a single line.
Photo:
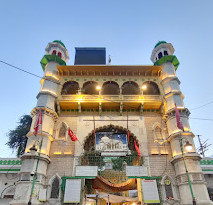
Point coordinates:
[(110, 98)]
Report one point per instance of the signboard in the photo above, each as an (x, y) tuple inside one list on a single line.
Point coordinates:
[(110, 141), (72, 191), (150, 191), (86, 171), (136, 171)]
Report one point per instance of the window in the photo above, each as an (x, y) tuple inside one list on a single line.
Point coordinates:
[(151, 88), (70, 88), (54, 52), (59, 54), (55, 188), (130, 88), (89, 88), (110, 88), (168, 188), (62, 131), (160, 55), (158, 133), (165, 53)]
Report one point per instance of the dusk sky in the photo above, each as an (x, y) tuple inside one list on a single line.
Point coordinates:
[(129, 29)]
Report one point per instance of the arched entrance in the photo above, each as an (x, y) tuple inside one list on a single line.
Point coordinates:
[(111, 148)]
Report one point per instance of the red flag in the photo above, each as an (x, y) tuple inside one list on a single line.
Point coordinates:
[(128, 135), (38, 123), (137, 149), (179, 124), (94, 131), (72, 136)]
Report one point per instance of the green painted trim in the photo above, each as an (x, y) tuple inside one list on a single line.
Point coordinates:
[(10, 170), (160, 42), (152, 201), (145, 177), (165, 59), (57, 41), (47, 58), (207, 170), (10, 162), (206, 162)]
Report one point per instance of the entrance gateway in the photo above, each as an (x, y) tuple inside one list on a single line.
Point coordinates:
[(117, 174)]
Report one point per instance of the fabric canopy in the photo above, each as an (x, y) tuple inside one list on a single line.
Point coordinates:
[(102, 184)]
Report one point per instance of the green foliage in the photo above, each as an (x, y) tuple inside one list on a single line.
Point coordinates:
[(17, 137), (93, 158), (131, 160)]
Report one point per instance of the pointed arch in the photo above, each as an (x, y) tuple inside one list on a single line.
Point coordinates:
[(54, 187), (62, 131), (169, 188), (89, 142)]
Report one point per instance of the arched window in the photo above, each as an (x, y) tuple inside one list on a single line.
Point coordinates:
[(55, 188), (9, 192), (54, 52), (160, 55), (59, 54), (165, 53), (151, 88), (110, 88), (70, 88), (62, 131), (130, 88), (169, 189), (158, 133), (89, 88)]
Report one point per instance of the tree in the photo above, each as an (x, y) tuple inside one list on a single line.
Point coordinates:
[(17, 137)]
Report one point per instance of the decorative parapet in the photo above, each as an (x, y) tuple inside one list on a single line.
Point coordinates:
[(207, 165), (10, 165), (165, 59), (47, 58)]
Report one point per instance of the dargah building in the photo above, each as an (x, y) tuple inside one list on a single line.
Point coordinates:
[(107, 134)]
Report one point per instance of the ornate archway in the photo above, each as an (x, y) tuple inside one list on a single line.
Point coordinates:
[(89, 142)]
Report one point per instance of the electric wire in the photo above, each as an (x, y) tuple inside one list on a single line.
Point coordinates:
[(202, 105)]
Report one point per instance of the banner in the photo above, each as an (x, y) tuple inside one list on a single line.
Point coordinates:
[(109, 141), (150, 191), (72, 191)]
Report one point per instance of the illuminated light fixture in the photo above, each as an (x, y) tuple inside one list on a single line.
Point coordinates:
[(144, 87), (57, 153), (188, 146), (67, 152), (98, 87)]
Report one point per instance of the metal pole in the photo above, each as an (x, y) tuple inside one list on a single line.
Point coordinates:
[(187, 173), (35, 174), (201, 145)]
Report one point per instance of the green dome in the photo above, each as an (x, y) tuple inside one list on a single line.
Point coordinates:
[(160, 42), (57, 41)]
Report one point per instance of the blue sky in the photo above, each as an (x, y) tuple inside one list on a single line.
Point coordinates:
[(128, 29)]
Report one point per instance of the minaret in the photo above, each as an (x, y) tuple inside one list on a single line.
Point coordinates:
[(162, 55), (56, 54)]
